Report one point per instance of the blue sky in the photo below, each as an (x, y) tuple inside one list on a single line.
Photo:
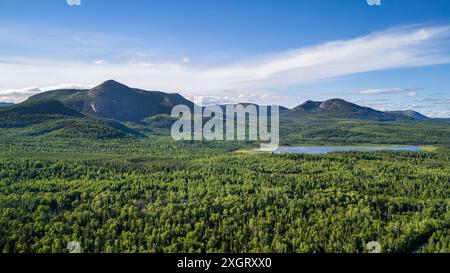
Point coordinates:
[(393, 56)]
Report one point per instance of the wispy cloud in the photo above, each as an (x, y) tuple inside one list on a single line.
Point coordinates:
[(99, 62), (431, 107), (439, 113), (20, 94), (185, 60), (411, 46), (412, 92), (233, 96), (444, 101)]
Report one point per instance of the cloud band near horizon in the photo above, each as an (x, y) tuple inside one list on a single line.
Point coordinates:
[(411, 46)]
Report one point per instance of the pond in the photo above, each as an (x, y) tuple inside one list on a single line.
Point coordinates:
[(326, 150)]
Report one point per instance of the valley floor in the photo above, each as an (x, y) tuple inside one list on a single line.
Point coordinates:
[(160, 196)]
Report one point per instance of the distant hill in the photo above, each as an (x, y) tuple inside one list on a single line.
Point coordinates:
[(116, 101), (409, 113), (338, 108), (3, 104)]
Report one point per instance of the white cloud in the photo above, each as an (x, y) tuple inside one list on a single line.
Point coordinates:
[(186, 60), (65, 86), (73, 2), (233, 96), (428, 107), (412, 92), (21, 94), (444, 101), (99, 62), (394, 48), (438, 113), (27, 90)]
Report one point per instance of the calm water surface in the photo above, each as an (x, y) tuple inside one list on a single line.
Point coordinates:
[(326, 150)]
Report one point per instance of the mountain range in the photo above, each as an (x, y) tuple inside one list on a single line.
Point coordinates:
[(338, 108), (112, 109)]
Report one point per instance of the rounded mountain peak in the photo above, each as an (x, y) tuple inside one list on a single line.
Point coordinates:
[(335, 103), (109, 87), (112, 84)]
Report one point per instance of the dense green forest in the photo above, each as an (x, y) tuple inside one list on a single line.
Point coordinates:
[(161, 196)]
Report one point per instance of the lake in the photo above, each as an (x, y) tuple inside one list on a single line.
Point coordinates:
[(326, 150)]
